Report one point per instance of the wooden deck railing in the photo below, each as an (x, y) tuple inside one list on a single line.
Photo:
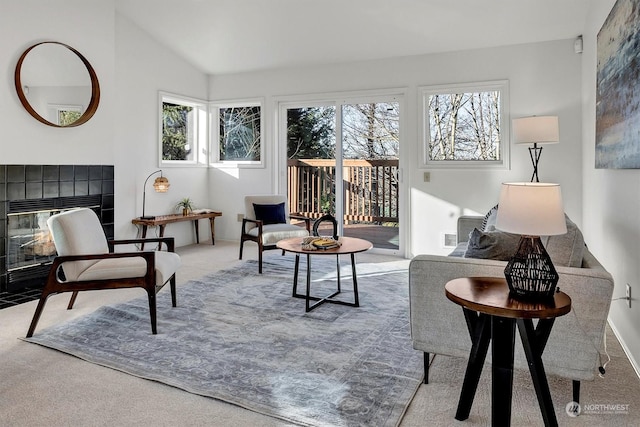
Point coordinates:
[(370, 189)]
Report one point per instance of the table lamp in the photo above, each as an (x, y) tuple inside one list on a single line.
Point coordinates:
[(161, 185), (531, 209), (536, 130)]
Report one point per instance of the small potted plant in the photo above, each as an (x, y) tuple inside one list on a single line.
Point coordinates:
[(186, 205)]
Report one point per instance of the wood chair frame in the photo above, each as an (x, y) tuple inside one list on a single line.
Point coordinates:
[(244, 236), (54, 285)]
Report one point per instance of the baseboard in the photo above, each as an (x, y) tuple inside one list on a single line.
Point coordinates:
[(633, 362)]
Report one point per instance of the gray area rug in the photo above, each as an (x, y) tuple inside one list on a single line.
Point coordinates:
[(240, 337)]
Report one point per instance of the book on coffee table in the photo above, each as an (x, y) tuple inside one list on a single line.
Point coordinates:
[(325, 243)]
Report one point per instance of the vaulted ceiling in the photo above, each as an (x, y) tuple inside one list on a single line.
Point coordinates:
[(230, 36)]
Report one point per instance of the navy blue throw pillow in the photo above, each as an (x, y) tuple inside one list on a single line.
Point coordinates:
[(270, 214)]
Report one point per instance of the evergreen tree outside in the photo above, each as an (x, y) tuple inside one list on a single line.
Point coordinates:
[(311, 133), (175, 136), (67, 117)]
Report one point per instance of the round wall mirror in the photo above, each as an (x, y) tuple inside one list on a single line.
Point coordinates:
[(57, 85)]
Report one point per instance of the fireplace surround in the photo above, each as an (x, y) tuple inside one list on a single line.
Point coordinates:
[(29, 194)]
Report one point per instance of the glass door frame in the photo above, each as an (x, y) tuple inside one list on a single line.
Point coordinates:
[(337, 100)]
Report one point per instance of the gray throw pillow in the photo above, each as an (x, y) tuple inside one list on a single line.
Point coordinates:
[(492, 244), (566, 249), (460, 250)]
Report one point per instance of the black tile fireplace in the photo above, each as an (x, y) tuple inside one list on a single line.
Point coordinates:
[(29, 194)]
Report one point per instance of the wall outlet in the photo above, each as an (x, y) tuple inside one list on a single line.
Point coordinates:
[(628, 295), (240, 217)]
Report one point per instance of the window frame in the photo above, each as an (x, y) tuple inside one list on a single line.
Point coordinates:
[(214, 134), (486, 86), (200, 149)]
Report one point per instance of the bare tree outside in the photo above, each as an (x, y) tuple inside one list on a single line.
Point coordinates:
[(240, 133), (371, 131), (464, 126)]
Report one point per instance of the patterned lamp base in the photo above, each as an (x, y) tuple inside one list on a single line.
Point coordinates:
[(530, 273)]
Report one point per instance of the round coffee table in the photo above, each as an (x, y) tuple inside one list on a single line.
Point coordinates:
[(349, 246)]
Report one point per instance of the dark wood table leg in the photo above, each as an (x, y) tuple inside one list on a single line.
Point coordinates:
[(503, 332), (195, 224), (162, 227), (480, 331), (144, 236), (213, 229), (533, 342)]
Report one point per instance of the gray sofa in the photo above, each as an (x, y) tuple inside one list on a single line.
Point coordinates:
[(574, 347)]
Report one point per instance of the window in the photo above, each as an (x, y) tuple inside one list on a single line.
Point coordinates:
[(238, 140), (466, 125), (64, 114), (183, 131), (67, 117)]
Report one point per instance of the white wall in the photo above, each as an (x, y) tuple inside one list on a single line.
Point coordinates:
[(131, 69), (88, 26), (611, 203), (544, 79), (143, 68)]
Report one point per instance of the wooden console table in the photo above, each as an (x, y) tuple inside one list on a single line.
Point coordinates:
[(162, 221)]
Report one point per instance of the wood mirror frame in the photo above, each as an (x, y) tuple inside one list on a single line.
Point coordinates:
[(88, 112)]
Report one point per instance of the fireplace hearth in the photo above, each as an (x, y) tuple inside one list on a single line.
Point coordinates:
[(29, 195)]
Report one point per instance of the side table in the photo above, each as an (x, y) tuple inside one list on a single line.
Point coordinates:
[(162, 221), (491, 315)]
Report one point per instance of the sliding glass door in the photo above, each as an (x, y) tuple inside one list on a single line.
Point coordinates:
[(343, 159), (311, 159), (370, 159)]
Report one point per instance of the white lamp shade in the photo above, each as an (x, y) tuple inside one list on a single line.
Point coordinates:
[(531, 209), (537, 129)]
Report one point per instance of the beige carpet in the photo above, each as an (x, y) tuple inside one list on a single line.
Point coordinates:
[(39, 386)]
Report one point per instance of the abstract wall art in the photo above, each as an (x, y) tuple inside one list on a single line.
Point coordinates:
[(618, 88)]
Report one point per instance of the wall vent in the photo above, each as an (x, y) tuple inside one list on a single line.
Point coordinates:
[(450, 240)]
